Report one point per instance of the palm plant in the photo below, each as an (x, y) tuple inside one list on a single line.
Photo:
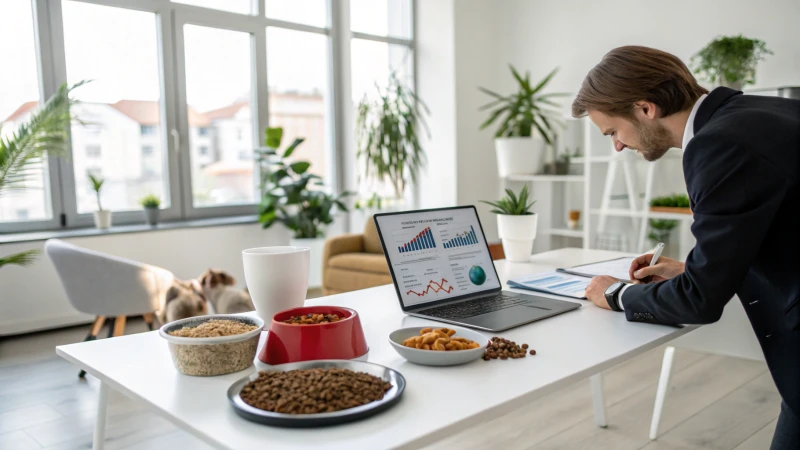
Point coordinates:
[(387, 135), (525, 110), (512, 204), (23, 152), (96, 183)]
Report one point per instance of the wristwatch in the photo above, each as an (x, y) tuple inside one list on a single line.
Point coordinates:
[(612, 295)]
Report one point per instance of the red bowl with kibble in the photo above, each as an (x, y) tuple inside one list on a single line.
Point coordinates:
[(311, 333)]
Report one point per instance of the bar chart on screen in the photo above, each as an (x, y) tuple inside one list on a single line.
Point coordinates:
[(422, 241), (461, 238)]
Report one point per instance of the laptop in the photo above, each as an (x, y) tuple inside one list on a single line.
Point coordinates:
[(442, 270)]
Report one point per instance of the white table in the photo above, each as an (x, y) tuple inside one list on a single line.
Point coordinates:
[(437, 402)]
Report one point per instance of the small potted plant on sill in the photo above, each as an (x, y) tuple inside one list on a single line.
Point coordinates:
[(562, 164), (102, 218), (676, 203), (528, 124), (730, 61), (151, 205), (516, 224)]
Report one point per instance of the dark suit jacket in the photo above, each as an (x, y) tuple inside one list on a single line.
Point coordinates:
[(741, 170)]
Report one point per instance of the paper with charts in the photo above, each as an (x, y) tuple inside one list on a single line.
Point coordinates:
[(557, 283), (437, 254)]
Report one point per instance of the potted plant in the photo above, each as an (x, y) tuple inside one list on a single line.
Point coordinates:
[(730, 60), (287, 198), (562, 164), (661, 230), (102, 218), (676, 203), (574, 218), (387, 136), (151, 205), (527, 124), (516, 224)]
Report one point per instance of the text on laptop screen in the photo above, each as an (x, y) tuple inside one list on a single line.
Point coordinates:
[(437, 254)]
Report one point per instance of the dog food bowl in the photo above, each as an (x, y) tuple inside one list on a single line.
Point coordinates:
[(211, 356), (434, 358), (287, 343)]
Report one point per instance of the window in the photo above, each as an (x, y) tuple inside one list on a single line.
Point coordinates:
[(298, 93), (207, 60), (93, 151), (19, 97), (116, 49), (222, 97)]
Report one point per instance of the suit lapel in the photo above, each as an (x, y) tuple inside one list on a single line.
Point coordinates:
[(714, 100)]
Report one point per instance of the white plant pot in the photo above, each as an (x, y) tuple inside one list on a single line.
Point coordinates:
[(102, 219), (517, 234), (519, 155), (317, 247)]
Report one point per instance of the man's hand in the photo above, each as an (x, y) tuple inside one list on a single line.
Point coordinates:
[(596, 292), (664, 269)]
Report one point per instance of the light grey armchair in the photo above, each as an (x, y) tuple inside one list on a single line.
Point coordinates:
[(107, 286)]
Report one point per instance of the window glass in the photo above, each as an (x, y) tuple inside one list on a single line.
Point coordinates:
[(308, 12), (236, 6), (381, 17)]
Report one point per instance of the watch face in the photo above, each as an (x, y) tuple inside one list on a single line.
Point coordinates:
[(611, 289)]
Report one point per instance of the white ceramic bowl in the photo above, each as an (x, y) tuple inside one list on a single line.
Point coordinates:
[(212, 356), (434, 358)]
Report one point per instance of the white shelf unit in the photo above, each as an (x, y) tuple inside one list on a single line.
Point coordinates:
[(552, 178), (619, 212), (566, 232)]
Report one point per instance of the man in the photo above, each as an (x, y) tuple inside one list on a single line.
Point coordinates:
[(741, 169)]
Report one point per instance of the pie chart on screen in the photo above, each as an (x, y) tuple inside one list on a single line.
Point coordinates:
[(477, 275)]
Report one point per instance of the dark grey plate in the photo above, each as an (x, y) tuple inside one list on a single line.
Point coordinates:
[(391, 397)]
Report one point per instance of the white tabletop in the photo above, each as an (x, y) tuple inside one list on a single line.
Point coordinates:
[(438, 401)]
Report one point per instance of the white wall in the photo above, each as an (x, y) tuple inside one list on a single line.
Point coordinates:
[(31, 298)]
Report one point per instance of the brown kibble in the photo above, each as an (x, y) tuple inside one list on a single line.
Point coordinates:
[(503, 356), (525, 346), (486, 358), (533, 352), (214, 328)]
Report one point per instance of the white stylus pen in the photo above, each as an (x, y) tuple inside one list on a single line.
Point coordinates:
[(657, 254)]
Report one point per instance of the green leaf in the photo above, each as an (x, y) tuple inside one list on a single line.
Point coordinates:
[(274, 136), (545, 80), (23, 259), (292, 147), (300, 167)]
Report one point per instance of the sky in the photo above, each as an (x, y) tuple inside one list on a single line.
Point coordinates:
[(117, 49)]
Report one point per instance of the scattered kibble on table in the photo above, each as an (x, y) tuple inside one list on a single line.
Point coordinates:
[(500, 348)]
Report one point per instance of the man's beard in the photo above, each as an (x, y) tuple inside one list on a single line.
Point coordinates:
[(654, 140)]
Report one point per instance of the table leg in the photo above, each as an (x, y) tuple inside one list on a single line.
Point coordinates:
[(661, 393), (100, 424), (598, 399)]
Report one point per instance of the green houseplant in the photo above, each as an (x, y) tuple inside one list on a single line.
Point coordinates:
[(527, 120), (151, 205), (287, 197), (516, 223), (730, 60), (23, 151), (102, 217), (388, 136), (660, 230), (677, 203)]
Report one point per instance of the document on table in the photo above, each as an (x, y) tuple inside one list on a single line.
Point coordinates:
[(617, 268), (557, 283)]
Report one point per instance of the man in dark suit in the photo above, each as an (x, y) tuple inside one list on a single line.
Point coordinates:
[(741, 164)]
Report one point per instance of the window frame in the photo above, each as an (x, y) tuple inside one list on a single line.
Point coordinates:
[(174, 130)]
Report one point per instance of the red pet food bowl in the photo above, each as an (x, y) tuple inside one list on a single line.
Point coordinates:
[(287, 343)]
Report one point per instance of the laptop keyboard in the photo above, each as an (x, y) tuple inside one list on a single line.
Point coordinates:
[(471, 308)]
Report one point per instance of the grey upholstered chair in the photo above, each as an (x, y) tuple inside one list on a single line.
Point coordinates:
[(108, 286)]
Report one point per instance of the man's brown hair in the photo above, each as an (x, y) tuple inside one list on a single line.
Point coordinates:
[(630, 74)]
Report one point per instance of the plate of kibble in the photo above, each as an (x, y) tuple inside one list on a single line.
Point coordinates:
[(437, 346), (316, 393)]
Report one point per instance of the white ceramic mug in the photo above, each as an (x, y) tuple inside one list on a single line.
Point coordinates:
[(277, 278)]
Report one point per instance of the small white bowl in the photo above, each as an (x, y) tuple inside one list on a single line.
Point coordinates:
[(432, 357), (212, 356)]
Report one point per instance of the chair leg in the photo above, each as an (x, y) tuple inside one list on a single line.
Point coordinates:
[(112, 322), (119, 326), (148, 319), (99, 321)]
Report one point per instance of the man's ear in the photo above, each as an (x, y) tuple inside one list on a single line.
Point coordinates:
[(645, 109)]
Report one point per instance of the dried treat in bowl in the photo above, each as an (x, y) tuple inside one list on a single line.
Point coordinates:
[(313, 391), (214, 328), (312, 319), (440, 339)]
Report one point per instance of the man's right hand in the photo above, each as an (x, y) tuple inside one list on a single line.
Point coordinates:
[(664, 269)]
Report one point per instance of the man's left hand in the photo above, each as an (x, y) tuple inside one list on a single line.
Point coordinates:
[(596, 292)]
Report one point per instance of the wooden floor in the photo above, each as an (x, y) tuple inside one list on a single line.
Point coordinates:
[(714, 403)]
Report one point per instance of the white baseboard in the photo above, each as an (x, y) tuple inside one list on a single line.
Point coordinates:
[(40, 324)]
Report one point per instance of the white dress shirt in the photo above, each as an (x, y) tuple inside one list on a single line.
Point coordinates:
[(688, 134)]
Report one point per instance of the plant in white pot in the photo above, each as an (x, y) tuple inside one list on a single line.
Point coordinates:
[(151, 205), (102, 217), (527, 124), (287, 198), (516, 224), (730, 60)]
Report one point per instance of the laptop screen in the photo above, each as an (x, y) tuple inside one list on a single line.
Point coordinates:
[(436, 255)]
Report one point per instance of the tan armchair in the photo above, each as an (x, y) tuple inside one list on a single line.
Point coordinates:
[(354, 261)]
